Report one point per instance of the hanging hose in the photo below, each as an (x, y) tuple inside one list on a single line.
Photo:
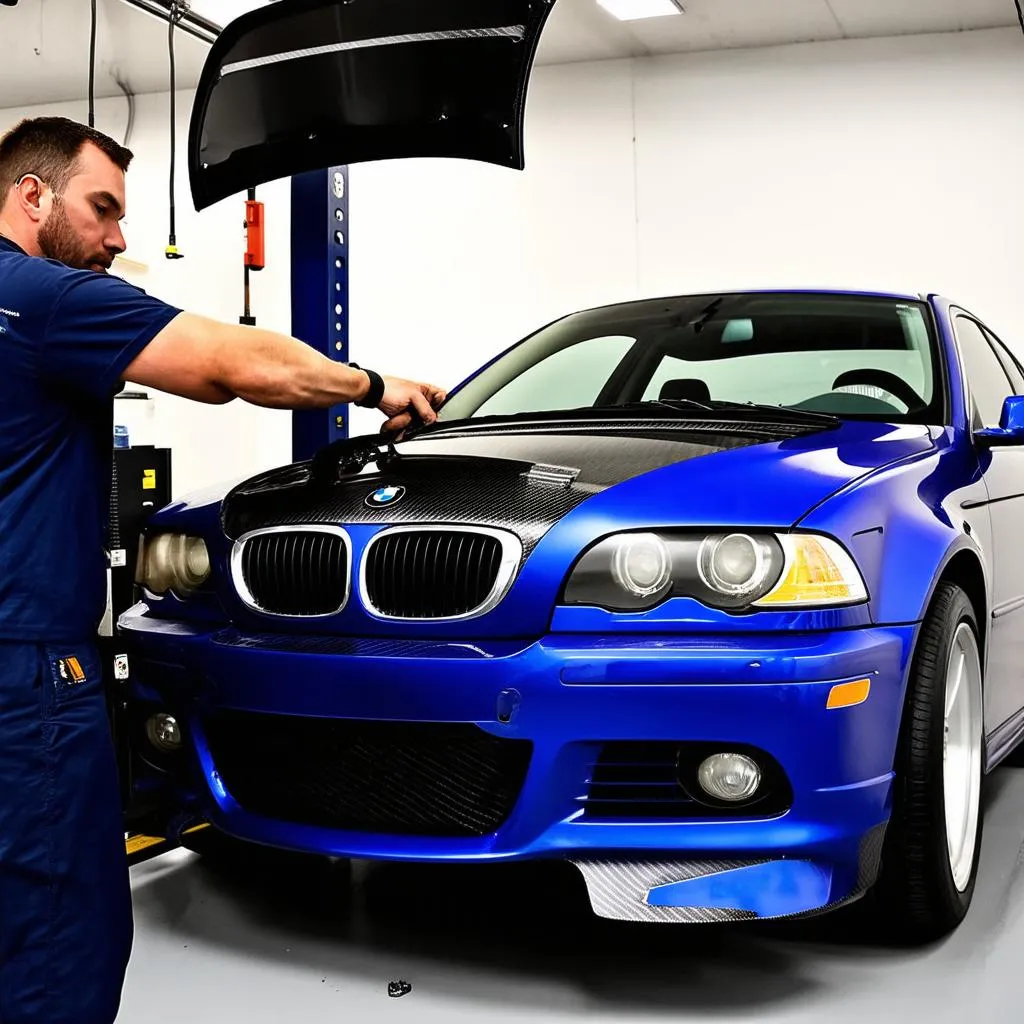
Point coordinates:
[(130, 97), (178, 10)]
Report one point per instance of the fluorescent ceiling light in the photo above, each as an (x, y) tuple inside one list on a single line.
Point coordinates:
[(634, 10)]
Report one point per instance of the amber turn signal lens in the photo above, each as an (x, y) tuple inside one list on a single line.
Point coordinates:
[(818, 573), (846, 695)]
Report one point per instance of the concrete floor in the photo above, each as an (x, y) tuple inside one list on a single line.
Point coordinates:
[(275, 945)]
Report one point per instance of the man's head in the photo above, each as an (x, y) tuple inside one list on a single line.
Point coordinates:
[(62, 192)]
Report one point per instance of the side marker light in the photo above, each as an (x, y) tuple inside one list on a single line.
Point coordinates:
[(846, 695)]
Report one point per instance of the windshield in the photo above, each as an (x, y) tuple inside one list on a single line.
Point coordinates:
[(850, 356)]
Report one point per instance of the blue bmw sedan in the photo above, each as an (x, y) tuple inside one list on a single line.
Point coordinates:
[(718, 597)]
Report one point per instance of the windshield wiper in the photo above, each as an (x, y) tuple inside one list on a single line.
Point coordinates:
[(748, 410), (663, 408), (783, 412), (675, 404)]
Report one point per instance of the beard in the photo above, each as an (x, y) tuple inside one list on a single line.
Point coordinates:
[(58, 241)]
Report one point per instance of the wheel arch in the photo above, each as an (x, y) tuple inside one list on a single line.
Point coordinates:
[(964, 567)]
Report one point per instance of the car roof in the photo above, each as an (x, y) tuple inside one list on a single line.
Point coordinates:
[(711, 292)]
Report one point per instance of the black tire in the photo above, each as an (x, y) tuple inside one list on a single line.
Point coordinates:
[(916, 899)]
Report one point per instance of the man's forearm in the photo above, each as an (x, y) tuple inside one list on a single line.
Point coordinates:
[(210, 361), (278, 372)]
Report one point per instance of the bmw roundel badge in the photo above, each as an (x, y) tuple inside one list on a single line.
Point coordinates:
[(385, 496)]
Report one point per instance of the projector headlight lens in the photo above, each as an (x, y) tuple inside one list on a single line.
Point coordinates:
[(642, 565), (739, 571), (735, 565), (173, 562)]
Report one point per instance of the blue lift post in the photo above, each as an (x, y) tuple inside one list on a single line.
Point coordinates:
[(319, 288)]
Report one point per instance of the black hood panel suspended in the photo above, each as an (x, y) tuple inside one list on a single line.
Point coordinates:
[(305, 84)]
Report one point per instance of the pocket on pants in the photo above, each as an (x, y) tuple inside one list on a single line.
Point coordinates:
[(75, 671)]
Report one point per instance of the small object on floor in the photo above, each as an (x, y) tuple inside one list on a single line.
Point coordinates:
[(396, 989)]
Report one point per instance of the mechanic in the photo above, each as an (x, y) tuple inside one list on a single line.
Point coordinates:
[(70, 337)]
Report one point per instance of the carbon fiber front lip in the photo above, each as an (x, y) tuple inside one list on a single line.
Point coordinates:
[(618, 889)]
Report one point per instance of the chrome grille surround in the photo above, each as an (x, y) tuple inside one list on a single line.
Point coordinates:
[(511, 557), (242, 587)]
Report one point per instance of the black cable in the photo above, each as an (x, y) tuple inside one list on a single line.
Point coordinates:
[(174, 123), (92, 69), (1020, 14), (178, 10)]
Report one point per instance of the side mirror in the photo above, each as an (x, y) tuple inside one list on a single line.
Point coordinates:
[(1011, 426)]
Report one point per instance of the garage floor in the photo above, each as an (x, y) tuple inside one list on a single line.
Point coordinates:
[(281, 942)]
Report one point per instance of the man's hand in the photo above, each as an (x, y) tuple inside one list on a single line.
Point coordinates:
[(405, 400)]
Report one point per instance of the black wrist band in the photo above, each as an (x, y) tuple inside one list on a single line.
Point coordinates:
[(375, 395)]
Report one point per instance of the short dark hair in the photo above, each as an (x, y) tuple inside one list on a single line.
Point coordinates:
[(50, 147)]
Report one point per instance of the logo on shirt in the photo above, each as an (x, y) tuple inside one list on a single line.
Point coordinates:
[(5, 324)]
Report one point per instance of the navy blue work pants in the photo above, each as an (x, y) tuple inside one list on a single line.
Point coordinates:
[(65, 900)]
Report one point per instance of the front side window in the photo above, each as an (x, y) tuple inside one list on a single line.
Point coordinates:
[(988, 384), (1009, 362), (851, 356)]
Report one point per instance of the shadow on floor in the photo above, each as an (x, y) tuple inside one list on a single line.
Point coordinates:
[(527, 921)]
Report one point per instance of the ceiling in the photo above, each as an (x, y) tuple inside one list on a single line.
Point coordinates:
[(579, 30), (46, 42), (46, 52)]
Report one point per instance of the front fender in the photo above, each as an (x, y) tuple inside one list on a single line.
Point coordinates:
[(905, 525)]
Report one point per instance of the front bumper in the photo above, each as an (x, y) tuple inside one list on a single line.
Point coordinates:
[(568, 698)]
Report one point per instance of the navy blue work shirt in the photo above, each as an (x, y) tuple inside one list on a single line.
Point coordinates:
[(66, 337)]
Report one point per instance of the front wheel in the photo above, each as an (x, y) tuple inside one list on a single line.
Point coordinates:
[(932, 847)]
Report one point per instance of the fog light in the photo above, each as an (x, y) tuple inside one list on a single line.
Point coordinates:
[(729, 777), (163, 732)]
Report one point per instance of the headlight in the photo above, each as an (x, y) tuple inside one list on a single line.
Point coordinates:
[(737, 565), (642, 565), (818, 573), (172, 562), (735, 571)]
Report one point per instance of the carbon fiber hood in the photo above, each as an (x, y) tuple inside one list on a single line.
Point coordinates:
[(525, 482)]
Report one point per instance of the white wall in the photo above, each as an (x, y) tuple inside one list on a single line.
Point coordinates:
[(869, 163), (211, 443), (877, 163)]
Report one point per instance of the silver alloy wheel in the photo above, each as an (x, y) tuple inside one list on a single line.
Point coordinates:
[(961, 753)]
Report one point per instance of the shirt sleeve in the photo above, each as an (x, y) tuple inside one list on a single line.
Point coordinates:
[(97, 326)]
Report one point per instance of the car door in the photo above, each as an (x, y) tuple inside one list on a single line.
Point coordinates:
[(988, 367)]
